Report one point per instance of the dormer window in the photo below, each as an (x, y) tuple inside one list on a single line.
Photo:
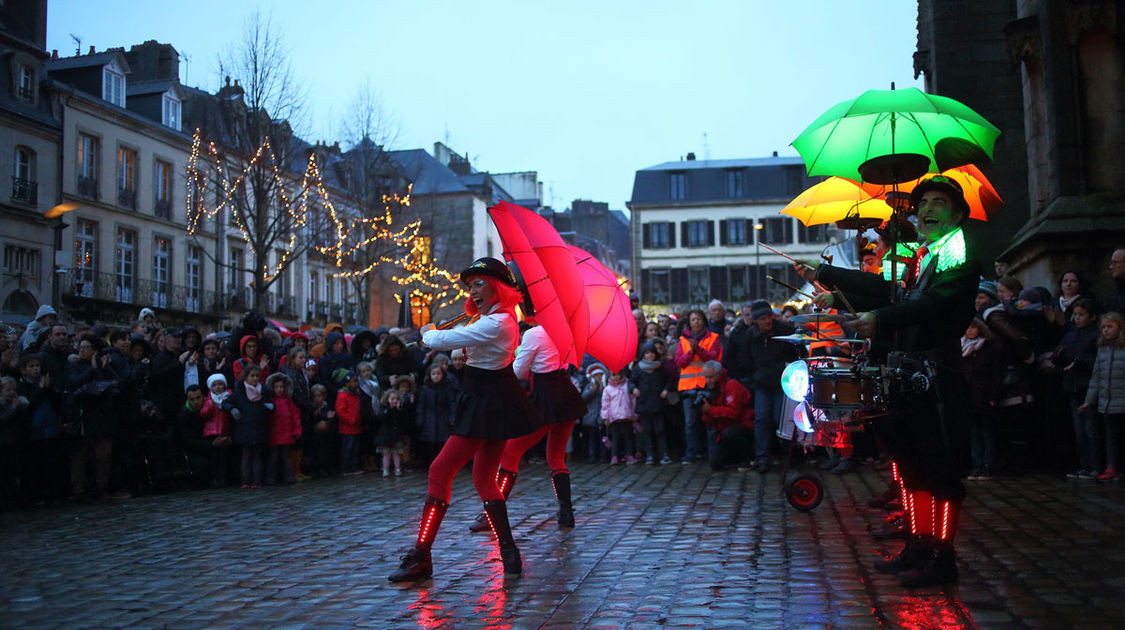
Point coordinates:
[(171, 112), (113, 86), (27, 84)]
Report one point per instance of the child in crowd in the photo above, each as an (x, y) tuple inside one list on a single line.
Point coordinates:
[(984, 367), (591, 428), (14, 423), (250, 405), (1075, 356), (392, 439), (650, 387), (369, 395), (42, 462), (434, 413), (285, 428), (404, 383), (618, 413), (325, 432), (347, 413), (1106, 393), (217, 425)]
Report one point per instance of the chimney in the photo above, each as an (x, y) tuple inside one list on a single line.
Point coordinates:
[(236, 83), (55, 53), (691, 157), (228, 81), (91, 50), (775, 153)]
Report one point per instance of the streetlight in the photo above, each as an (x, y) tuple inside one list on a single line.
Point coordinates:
[(758, 277), (60, 265)]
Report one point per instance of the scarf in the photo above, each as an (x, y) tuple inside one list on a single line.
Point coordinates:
[(253, 392), (648, 366), (219, 398), (969, 346), (1065, 302)]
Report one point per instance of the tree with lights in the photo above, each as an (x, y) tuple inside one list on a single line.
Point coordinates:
[(429, 286)]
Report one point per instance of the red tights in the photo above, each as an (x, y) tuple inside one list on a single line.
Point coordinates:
[(557, 436), (455, 454)]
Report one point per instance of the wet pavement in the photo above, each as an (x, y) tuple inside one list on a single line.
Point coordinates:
[(655, 547)]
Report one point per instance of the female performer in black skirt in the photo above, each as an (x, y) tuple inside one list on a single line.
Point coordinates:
[(492, 409), (559, 404)]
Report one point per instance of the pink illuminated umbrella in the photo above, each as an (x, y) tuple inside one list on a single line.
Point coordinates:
[(547, 269), (613, 331)]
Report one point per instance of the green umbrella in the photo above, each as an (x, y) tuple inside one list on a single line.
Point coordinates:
[(890, 136)]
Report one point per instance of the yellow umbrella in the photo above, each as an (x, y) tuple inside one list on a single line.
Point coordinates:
[(836, 199)]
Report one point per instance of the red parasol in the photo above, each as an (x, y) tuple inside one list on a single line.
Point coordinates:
[(548, 270), (285, 332), (982, 198), (613, 331)]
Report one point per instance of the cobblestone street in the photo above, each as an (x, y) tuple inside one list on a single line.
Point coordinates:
[(655, 546)]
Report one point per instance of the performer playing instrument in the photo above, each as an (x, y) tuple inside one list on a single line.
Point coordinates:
[(918, 330), (559, 404), (491, 410)]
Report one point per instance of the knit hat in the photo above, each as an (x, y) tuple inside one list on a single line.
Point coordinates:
[(342, 375), (147, 312), (988, 288), (760, 308), (595, 368), (215, 378), (1031, 295)]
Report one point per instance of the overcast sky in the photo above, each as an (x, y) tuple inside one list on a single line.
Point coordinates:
[(583, 92)]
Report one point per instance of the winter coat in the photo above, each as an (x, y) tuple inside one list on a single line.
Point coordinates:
[(435, 411), (984, 371), (1107, 381), (386, 367), (285, 422), (1080, 347), (330, 362), (216, 422), (394, 426), (92, 394), (731, 404), (14, 422), (189, 432), (244, 361), (738, 358), (44, 422), (253, 426), (650, 383), (166, 383), (347, 412), (357, 351), (592, 394), (769, 357), (618, 404)]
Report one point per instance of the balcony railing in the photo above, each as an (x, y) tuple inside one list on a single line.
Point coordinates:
[(88, 187), (163, 209), (127, 198), (109, 287), (26, 93), (25, 190)]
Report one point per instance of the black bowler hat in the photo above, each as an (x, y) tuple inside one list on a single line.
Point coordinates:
[(488, 267), (944, 184)]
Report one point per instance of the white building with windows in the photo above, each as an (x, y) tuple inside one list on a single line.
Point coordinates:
[(696, 224)]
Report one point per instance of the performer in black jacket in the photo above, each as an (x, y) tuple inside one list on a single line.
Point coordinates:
[(919, 330), (491, 409)]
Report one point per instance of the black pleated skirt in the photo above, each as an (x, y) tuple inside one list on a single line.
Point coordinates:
[(555, 397), (493, 406)]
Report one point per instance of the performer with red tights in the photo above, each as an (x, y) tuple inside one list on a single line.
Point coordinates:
[(492, 409), (918, 335), (560, 406)]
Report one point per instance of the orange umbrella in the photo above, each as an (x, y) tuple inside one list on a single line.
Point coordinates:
[(982, 197), (836, 199)]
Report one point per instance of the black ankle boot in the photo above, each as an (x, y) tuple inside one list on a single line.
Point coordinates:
[(417, 564), (497, 512), (913, 552), (506, 479), (561, 481), (936, 568)]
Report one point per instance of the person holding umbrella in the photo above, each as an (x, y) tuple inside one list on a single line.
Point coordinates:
[(919, 331), (560, 406), (491, 410)]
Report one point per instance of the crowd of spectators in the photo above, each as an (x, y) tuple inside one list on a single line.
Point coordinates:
[(95, 413)]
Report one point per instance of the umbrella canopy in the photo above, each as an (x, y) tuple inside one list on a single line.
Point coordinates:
[(279, 327), (836, 199), (548, 271), (979, 193), (886, 127), (613, 331)]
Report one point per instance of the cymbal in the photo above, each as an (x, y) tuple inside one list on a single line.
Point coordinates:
[(797, 338), (818, 318)]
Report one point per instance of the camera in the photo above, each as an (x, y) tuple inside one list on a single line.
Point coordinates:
[(698, 397)]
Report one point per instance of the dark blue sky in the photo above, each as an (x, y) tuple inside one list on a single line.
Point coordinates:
[(583, 92)]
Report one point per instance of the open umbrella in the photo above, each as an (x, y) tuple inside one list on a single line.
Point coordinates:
[(546, 267), (837, 199), (890, 136), (979, 192), (613, 331), (279, 327)]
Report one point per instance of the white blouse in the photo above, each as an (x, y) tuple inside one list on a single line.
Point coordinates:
[(537, 353), (489, 342)]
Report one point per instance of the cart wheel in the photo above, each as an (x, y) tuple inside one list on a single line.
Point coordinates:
[(804, 491)]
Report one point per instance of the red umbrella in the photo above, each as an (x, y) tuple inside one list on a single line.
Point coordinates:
[(548, 270), (285, 332), (613, 331)]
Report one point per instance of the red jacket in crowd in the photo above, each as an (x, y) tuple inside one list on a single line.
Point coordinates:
[(285, 422), (731, 404), (347, 412)]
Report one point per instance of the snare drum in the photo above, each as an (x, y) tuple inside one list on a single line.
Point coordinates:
[(835, 385)]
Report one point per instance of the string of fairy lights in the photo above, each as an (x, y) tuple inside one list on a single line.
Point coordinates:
[(361, 244)]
